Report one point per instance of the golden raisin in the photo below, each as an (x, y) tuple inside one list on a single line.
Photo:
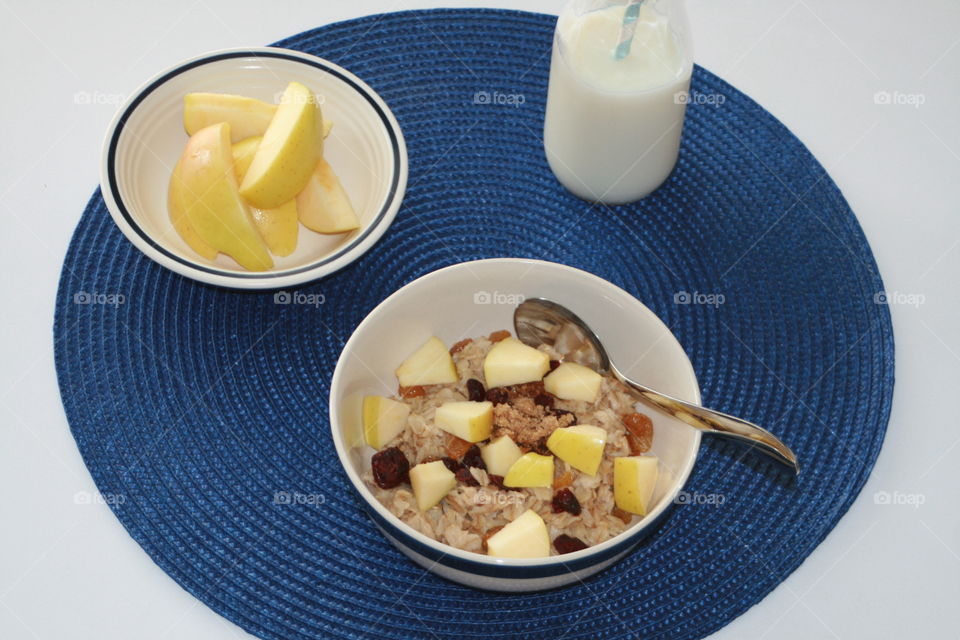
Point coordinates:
[(412, 392), (497, 336), (458, 347), (639, 432), (563, 480), (623, 515), (456, 447)]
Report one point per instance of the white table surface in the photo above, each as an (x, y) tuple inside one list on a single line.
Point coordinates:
[(69, 570)]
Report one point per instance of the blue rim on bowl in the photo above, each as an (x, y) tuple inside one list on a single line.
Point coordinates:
[(197, 268)]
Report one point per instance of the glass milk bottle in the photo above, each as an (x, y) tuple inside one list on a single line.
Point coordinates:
[(614, 118)]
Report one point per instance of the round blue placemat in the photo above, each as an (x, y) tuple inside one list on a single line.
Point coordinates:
[(201, 412)]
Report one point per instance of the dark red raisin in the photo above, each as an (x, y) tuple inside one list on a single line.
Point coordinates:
[(497, 481), (564, 500), (476, 391), (451, 464), (390, 468), (544, 400), (472, 458), (568, 544), (464, 476), (498, 396), (554, 364)]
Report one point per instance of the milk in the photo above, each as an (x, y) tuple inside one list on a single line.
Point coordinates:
[(612, 127)]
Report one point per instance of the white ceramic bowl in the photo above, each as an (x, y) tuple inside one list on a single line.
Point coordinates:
[(477, 298), (146, 138)]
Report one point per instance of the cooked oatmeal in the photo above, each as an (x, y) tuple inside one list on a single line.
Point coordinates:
[(578, 508)]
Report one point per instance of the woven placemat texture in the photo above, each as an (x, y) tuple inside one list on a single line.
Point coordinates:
[(201, 412)]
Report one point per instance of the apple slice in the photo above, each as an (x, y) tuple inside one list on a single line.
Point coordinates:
[(634, 478), (278, 226), (580, 446), (204, 185), (572, 381), (430, 364), (177, 208), (500, 455), (383, 420), (246, 116), (512, 362), (470, 421), (431, 481), (525, 537), (530, 470), (323, 205), (289, 151)]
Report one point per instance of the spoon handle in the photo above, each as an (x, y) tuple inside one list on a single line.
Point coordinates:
[(718, 424)]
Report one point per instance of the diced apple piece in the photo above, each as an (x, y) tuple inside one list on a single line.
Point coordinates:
[(431, 481), (572, 381), (246, 116), (580, 446), (525, 537), (430, 364), (634, 478), (323, 205), (500, 455), (289, 151), (383, 419), (203, 190), (530, 470), (512, 362), (470, 421)]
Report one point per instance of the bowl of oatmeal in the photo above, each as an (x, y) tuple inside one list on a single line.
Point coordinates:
[(496, 464)]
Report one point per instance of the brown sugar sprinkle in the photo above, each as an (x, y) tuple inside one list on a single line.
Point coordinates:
[(456, 447), (563, 480), (639, 432), (624, 516), (527, 423), (412, 392), (489, 534), (497, 336), (458, 346)]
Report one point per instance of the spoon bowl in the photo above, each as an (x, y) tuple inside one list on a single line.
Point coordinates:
[(539, 321)]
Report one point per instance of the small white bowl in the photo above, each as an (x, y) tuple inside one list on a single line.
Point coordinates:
[(366, 148), (477, 298)]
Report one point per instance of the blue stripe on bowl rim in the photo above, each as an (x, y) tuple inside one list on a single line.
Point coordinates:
[(490, 568), (255, 53)]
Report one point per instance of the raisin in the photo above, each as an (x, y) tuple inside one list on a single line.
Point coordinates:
[(554, 364), (540, 446), (497, 481), (498, 396), (564, 480), (544, 400), (455, 447), (623, 515), (412, 392), (475, 390), (458, 347), (497, 336), (451, 464), (526, 390), (564, 500), (472, 458), (568, 544), (463, 475), (390, 468), (639, 432)]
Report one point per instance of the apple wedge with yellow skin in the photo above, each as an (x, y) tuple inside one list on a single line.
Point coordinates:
[(177, 209), (525, 537), (530, 470), (204, 184), (634, 478), (247, 117), (580, 446), (278, 226), (288, 153), (323, 205), (383, 420)]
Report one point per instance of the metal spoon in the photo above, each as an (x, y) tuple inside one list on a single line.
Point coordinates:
[(538, 321)]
